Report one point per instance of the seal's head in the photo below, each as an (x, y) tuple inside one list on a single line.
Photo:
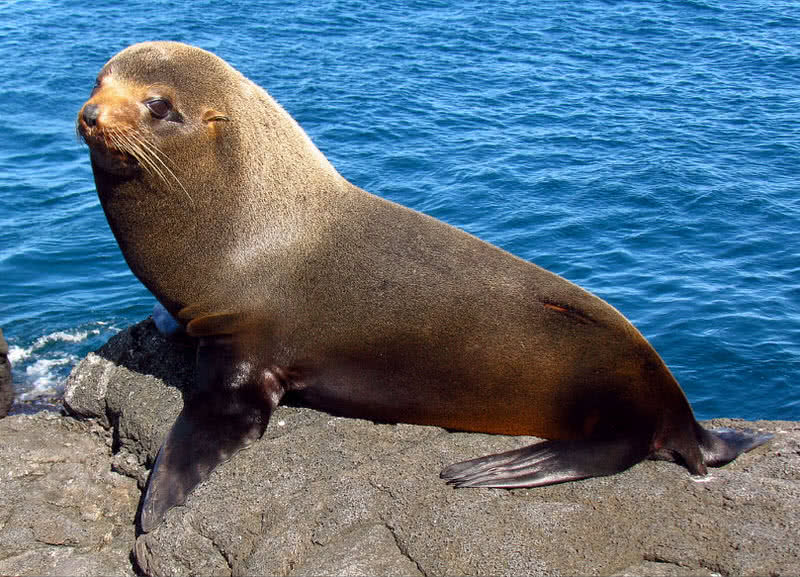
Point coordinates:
[(191, 158), (176, 113), (145, 105)]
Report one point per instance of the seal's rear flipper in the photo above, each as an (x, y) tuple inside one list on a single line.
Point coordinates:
[(546, 463), (228, 409), (721, 446)]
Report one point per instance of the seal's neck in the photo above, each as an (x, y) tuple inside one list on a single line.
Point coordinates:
[(183, 244), (154, 233)]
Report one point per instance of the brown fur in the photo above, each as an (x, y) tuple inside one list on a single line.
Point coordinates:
[(360, 306)]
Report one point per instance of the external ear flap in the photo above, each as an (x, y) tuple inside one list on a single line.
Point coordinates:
[(212, 115), (210, 118)]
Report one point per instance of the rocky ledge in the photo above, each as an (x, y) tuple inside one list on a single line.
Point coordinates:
[(320, 495)]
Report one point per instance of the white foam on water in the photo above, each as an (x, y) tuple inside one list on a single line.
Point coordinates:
[(64, 336), (40, 369), (18, 354), (43, 377)]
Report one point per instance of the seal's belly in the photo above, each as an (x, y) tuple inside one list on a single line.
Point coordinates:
[(469, 400)]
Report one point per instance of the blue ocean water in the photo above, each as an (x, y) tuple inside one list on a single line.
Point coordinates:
[(648, 151)]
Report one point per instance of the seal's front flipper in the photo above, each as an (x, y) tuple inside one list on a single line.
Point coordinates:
[(228, 409), (197, 443), (546, 463)]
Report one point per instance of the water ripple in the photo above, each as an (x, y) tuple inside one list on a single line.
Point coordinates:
[(647, 151)]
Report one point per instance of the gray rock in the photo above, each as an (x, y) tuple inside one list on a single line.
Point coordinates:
[(62, 510), (6, 387), (325, 495)]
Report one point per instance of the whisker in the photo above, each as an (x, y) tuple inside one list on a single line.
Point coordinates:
[(123, 143), (151, 158), (151, 154), (141, 155), (147, 157), (154, 154), (113, 141)]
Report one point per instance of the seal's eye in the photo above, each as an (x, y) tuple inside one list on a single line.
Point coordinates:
[(159, 108)]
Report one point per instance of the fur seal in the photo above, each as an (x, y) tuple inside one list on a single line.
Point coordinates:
[(291, 279)]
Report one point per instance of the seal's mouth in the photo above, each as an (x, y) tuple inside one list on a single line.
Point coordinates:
[(109, 149)]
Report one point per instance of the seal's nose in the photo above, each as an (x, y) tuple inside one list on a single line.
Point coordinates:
[(90, 114)]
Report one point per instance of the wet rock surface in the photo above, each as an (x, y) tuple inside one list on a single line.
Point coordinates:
[(321, 495)]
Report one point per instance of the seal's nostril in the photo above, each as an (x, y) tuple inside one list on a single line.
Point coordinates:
[(90, 114)]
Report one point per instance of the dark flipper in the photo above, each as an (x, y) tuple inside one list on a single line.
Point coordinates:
[(197, 443), (228, 409), (551, 462), (721, 446), (546, 463)]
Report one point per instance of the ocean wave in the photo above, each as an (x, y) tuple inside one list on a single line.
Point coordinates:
[(41, 367), (17, 354)]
